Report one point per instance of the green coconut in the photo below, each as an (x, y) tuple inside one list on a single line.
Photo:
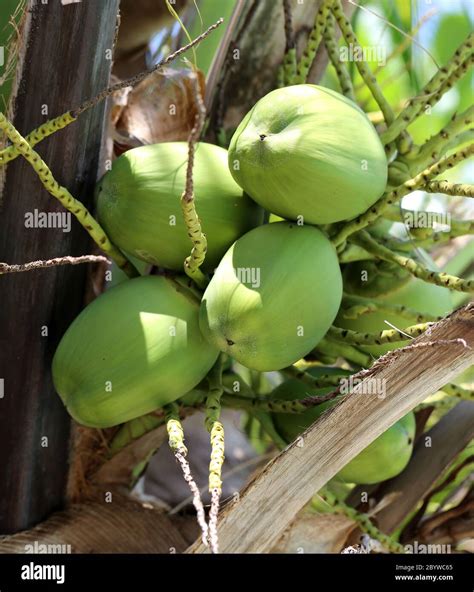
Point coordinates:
[(386, 457), (383, 459), (138, 203), (306, 152), (273, 297), (132, 350)]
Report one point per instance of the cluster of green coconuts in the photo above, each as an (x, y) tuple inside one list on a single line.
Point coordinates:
[(304, 153)]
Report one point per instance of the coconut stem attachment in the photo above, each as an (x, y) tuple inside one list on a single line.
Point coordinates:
[(445, 280), (176, 442), (216, 430), (64, 196), (395, 195), (314, 41), (332, 47), (336, 505), (442, 81)]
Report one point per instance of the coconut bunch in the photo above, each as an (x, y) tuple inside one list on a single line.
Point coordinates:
[(276, 256), (274, 289), (304, 153)]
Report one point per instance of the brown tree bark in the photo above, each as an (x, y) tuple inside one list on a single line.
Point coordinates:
[(64, 60)]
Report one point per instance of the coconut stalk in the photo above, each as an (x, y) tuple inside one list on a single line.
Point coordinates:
[(193, 263), (314, 41), (445, 280), (330, 41), (440, 143), (443, 78), (393, 196), (364, 70), (386, 336), (216, 431), (337, 505), (175, 431), (287, 71), (355, 306), (457, 189)]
